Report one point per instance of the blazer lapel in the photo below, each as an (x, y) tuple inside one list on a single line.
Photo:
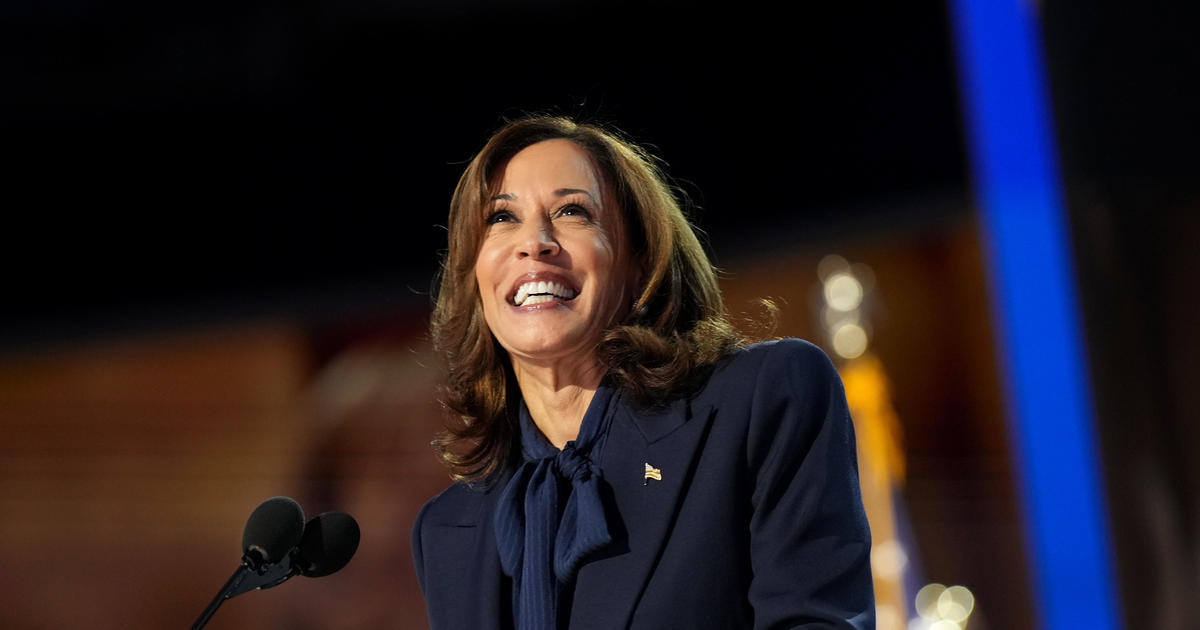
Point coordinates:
[(609, 587), (468, 566)]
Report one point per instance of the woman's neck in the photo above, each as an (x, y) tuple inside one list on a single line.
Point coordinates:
[(558, 398)]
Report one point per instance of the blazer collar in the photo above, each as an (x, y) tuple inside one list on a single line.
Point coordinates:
[(466, 565), (667, 440), (644, 511)]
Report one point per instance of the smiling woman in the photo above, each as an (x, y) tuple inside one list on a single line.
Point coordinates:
[(585, 190), (621, 458), (554, 272)]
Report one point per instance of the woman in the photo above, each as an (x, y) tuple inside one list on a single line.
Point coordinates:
[(623, 461)]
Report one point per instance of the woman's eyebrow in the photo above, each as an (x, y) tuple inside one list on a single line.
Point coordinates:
[(563, 192)]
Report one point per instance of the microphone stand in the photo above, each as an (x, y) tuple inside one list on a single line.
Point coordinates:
[(252, 574)]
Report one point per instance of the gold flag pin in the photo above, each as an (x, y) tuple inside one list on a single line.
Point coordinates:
[(652, 473)]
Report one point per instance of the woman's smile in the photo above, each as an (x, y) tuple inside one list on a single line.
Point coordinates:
[(543, 288)]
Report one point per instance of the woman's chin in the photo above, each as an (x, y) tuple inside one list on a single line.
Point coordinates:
[(549, 347)]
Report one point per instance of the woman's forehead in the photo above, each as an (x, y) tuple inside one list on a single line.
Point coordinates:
[(547, 166)]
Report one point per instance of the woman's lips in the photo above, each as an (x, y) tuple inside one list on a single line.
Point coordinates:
[(540, 288), (541, 291)]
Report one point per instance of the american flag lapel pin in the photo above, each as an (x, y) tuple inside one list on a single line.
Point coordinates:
[(651, 473)]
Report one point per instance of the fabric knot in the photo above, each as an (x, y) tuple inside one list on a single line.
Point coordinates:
[(542, 539), (571, 465)]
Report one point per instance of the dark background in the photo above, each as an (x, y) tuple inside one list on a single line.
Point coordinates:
[(269, 155)]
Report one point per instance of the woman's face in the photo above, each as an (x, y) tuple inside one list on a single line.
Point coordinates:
[(554, 267)]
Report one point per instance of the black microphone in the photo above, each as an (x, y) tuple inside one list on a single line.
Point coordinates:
[(278, 545), (328, 544), (274, 528)]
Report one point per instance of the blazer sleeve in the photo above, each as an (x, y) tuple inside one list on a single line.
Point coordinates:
[(810, 541)]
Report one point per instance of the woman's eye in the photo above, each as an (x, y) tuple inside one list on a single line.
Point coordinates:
[(500, 216), (574, 210)]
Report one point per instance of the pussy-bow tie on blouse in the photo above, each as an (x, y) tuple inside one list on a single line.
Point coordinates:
[(540, 549)]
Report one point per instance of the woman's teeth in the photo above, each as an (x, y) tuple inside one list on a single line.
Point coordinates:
[(539, 292)]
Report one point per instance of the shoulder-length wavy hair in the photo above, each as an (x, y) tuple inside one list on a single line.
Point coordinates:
[(676, 326)]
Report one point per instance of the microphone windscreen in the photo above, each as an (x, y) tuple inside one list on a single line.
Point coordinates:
[(274, 527), (328, 544)]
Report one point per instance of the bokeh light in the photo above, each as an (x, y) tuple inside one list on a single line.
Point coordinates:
[(830, 265), (926, 600), (889, 559), (849, 341), (955, 604), (942, 608), (843, 292)]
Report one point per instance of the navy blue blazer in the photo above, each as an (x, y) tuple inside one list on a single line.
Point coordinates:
[(757, 521)]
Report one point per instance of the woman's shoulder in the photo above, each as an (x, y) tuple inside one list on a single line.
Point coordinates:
[(787, 354), (780, 367), (783, 346), (454, 505)]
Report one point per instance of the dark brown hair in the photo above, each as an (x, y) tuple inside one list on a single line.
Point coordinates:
[(676, 327)]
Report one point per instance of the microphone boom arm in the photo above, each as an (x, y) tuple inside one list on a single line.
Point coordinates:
[(246, 579)]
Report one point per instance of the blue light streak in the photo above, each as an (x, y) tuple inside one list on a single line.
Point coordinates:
[(1033, 293)]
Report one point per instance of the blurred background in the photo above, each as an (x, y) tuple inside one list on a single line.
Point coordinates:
[(222, 221)]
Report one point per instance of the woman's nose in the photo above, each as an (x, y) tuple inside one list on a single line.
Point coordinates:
[(538, 241)]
